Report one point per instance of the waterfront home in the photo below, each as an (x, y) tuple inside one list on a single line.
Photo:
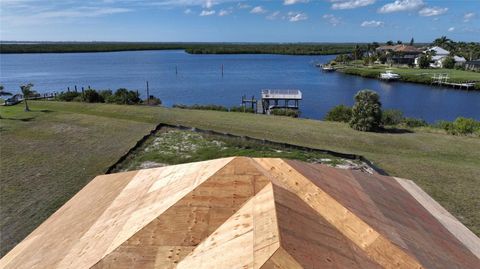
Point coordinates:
[(400, 54), (473, 65), (439, 55)]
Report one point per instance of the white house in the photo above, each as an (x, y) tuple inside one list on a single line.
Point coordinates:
[(439, 57)]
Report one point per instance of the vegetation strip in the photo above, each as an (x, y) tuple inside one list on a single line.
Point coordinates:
[(142, 141), (193, 48)]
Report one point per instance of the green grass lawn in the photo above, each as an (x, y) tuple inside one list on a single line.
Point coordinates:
[(414, 74), (48, 156)]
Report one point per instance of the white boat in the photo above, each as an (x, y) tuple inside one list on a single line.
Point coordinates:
[(389, 75), (328, 68)]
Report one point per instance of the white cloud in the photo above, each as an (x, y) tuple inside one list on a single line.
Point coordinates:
[(187, 11), (292, 2), (468, 16), (432, 11), (350, 4), (451, 29), (243, 6), (273, 15), (332, 19), (401, 5), (224, 12), (207, 12), (296, 16), (372, 23), (258, 10)]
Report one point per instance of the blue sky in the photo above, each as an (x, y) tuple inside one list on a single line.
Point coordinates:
[(239, 21)]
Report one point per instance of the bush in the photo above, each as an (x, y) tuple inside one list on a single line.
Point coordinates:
[(449, 62), (367, 111), (153, 101), (105, 94), (285, 112), (67, 96), (413, 122), (464, 126), (340, 113), (123, 96), (92, 96), (392, 117), (424, 61)]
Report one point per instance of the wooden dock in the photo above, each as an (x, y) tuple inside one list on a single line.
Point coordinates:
[(274, 98), (443, 80)]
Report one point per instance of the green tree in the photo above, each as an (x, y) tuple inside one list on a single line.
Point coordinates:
[(367, 111), (412, 41), (389, 42), (424, 61), (399, 42), (27, 92), (449, 62)]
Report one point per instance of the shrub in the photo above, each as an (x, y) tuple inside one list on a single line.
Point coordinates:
[(92, 96), (464, 126), (392, 117), (153, 101), (124, 96), (105, 94), (367, 111), (449, 62), (424, 61), (67, 96), (413, 122), (285, 112), (340, 113)]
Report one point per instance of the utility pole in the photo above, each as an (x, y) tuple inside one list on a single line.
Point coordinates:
[(148, 94)]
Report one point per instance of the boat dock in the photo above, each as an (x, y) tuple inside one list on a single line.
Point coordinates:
[(443, 80), (273, 99)]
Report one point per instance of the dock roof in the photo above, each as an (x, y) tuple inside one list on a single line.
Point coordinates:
[(291, 94), (248, 213)]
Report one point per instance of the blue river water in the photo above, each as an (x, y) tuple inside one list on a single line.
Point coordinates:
[(178, 77)]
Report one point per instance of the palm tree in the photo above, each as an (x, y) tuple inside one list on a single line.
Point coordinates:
[(27, 92), (3, 93)]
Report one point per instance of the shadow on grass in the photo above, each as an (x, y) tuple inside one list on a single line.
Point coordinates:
[(394, 130), (46, 111), (20, 119)]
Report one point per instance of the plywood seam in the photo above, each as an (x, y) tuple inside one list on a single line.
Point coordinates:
[(133, 234), (282, 164)]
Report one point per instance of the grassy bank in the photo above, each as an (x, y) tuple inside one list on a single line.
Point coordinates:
[(423, 76), (193, 48), (49, 154)]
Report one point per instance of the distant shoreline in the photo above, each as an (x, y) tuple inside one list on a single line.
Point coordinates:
[(192, 48)]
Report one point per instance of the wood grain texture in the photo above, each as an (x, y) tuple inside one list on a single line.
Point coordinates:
[(248, 213)]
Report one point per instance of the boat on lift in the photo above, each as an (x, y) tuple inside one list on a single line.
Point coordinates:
[(389, 75), (328, 68)]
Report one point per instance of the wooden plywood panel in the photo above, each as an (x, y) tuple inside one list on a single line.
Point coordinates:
[(143, 199), (233, 244), (351, 226), (281, 260), (462, 233), (193, 218), (47, 245), (311, 240)]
